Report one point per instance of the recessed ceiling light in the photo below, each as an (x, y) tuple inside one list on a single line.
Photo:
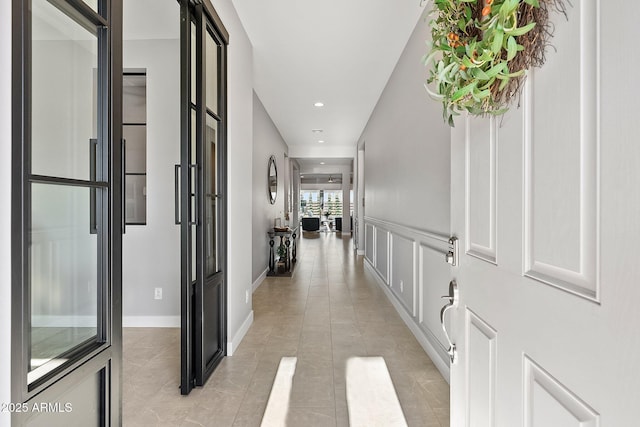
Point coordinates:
[(321, 142), (301, 176), (318, 104), (316, 130), (322, 163)]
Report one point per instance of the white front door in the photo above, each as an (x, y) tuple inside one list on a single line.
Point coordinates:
[(546, 204)]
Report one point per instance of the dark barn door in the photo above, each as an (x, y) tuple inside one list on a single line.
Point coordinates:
[(200, 191)]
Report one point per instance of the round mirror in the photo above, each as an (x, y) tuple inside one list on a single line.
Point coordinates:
[(273, 180)]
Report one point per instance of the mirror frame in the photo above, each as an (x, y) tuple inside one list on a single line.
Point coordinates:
[(272, 167)]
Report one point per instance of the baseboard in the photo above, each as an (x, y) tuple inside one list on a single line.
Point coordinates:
[(237, 338), (259, 280), (420, 335), (151, 321)]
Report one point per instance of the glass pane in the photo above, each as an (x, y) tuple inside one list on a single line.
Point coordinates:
[(310, 204), (212, 74), (136, 199), (64, 106), (136, 148), (134, 99), (194, 39), (93, 4), (63, 275), (211, 189)]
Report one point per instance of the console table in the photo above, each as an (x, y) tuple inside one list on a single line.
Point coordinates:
[(286, 239)]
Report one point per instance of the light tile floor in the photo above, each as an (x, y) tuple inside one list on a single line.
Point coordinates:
[(329, 310)]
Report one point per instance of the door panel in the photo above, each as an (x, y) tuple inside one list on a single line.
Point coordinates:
[(539, 328), (202, 188), (481, 188), (67, 215)]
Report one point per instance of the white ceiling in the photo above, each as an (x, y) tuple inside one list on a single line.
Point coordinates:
[(339, 52)]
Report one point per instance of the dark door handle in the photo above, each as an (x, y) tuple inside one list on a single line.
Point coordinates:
[(177, 194)]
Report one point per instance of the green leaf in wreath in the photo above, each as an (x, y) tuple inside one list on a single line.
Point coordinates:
[(512, 48), (503, 83), (480, 95), (508, 7), (479, 74), (464, 91), (497, 69), (521, 30), (496, 45), (433, 95), (533, 3)]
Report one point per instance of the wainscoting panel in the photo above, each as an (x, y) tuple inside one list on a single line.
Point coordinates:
[(434, 283), (416, 277), (547, 402), (561, 159), (382, 253), (403, 271), (481, 135), (369, 236), (481, 344)]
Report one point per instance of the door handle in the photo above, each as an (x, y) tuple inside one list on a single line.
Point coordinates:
[(453, 303), (93, 150), (176, 191), (124, 186), (195, 194)]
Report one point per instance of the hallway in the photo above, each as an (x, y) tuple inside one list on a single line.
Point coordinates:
[(328, 311)]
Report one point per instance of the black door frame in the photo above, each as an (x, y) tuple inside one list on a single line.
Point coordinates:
[(195, 366)]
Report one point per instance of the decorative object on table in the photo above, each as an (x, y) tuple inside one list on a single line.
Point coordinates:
[(480, 50), (272, 177)]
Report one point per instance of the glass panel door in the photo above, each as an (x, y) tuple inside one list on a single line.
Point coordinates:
[(66, 209)]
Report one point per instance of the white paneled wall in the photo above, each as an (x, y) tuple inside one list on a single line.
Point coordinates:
[(411, 268)]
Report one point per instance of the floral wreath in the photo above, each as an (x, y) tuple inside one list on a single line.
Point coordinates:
[(480, 50)]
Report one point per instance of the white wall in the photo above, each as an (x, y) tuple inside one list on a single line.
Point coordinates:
[(151, 252), (5, 212), (267, 142), (240, 185), (407, 148)]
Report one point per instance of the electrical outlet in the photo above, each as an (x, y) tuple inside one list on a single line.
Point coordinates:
[(246, 297), (401, 286), (158, 293)]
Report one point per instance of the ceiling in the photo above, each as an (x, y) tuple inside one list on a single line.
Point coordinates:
[(338, 52)]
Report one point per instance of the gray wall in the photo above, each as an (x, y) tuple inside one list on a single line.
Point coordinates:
[(267, 142), (407, 193), (239, 175), (151, 252), (5, 212), (407, 148)]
